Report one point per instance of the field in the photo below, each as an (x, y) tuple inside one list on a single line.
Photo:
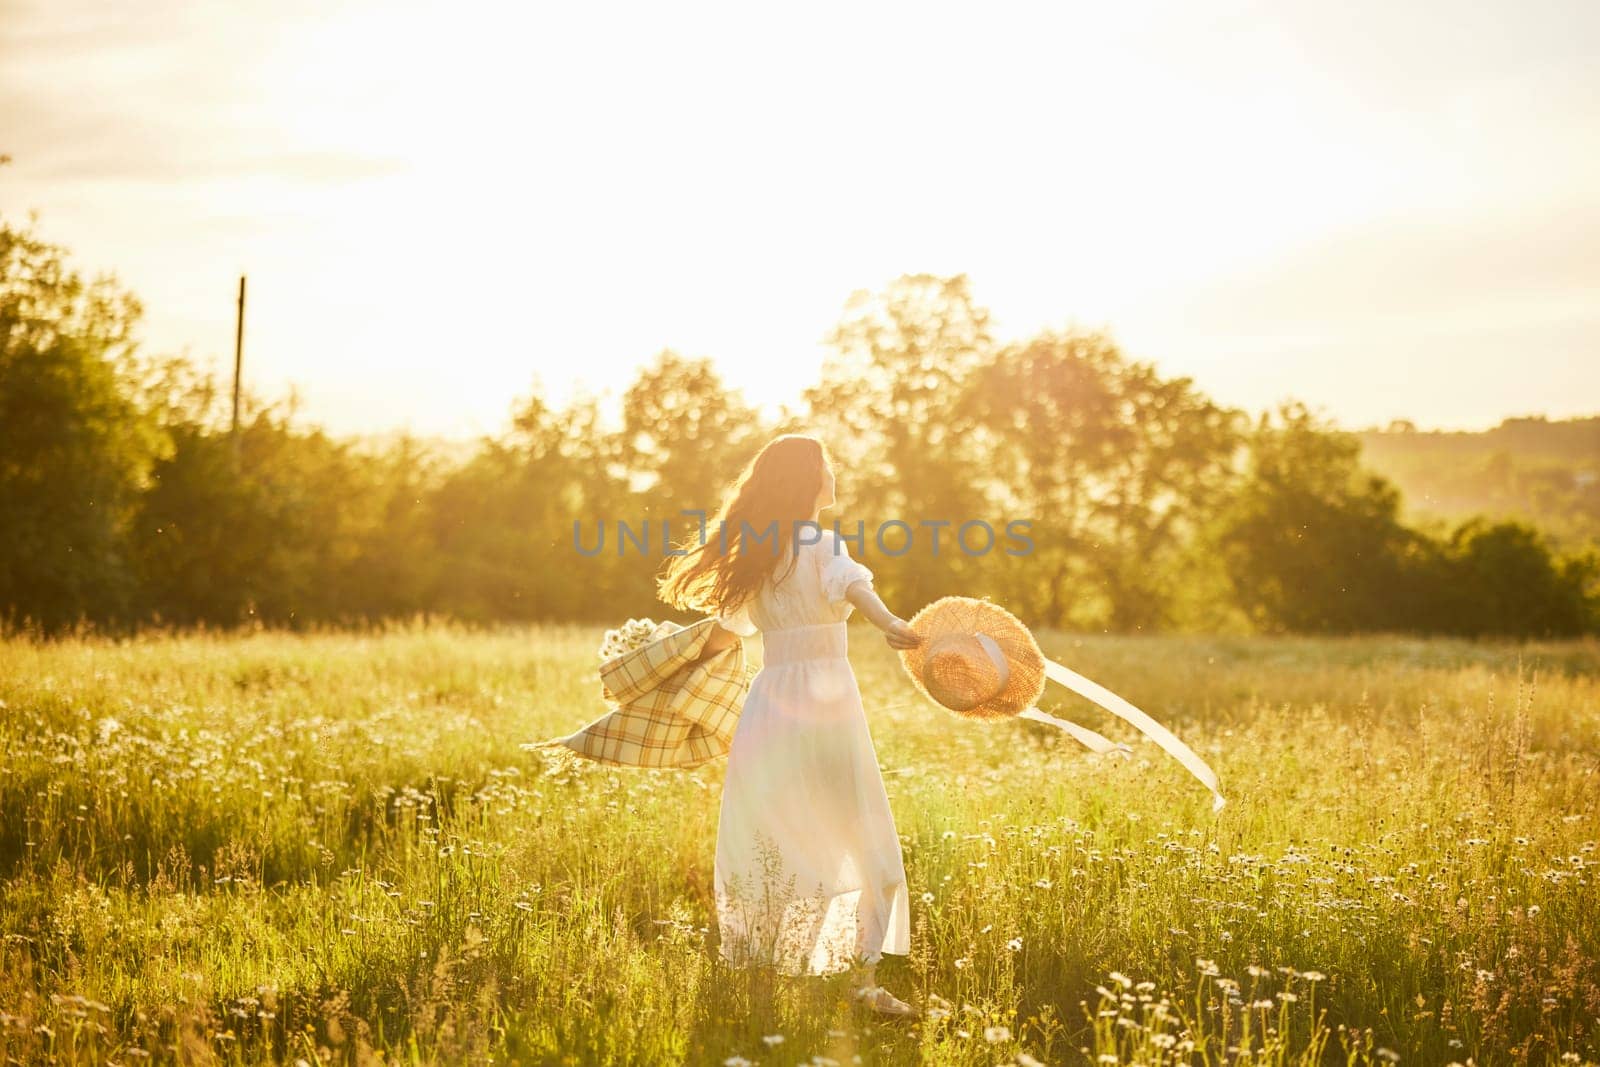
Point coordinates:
[(264, 847)]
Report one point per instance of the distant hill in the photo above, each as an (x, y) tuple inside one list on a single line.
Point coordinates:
[(1542, 471)]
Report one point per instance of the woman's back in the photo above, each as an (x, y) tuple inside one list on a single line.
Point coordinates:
[(808, 593)]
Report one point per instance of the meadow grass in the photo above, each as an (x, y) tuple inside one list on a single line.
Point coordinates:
[(264, 847)]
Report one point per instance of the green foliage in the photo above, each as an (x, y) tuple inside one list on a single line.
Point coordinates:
[(685, 435), (1116, 465), (1140, 503), (1531, 470), (280, 526), (890, 406), (1503, 579), (75, 445), (499, 521), (1313, 543)]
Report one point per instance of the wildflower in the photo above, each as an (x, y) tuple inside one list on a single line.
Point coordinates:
[(1258, 972), (1313, 976), (737, 1061), (927, 898), (961, 964), (1122, 980), (1043, 883), (1015, 944), (773, 1040), (1288, 997), (996, 1034), (632, 634), (1533, 909)]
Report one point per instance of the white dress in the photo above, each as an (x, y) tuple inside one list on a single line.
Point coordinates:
[(809, 876)]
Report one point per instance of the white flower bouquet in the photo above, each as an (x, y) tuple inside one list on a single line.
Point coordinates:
[(632, 634)]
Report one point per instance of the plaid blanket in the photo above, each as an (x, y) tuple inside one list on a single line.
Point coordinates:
[(668, 710)]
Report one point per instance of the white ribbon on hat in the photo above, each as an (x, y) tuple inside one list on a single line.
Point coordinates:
[(1088, 738), (1118, 707)]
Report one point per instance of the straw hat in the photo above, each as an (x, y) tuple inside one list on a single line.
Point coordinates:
[(975, 658), (978, 660)]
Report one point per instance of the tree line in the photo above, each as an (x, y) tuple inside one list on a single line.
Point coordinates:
[(125, 500), (1544, 471)]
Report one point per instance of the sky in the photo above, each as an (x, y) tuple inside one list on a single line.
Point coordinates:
[(1384, 210)]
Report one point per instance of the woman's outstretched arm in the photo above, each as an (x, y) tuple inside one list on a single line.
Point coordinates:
[(897, 632)]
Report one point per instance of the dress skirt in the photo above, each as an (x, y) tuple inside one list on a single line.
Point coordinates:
[(809, 877)]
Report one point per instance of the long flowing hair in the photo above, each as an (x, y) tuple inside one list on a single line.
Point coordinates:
[(778, 487)]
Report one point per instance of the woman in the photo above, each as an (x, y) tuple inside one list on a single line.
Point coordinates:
[(809, 876)]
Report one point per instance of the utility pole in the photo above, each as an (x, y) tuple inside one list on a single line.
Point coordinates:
[(238, 366)]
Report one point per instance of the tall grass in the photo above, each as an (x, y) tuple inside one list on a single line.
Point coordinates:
[(329, 847)]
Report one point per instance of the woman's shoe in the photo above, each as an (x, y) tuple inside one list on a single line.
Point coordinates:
[(884, 1002)]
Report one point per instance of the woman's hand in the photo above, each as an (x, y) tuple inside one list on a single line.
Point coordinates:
[(896, 630), (900, 635)]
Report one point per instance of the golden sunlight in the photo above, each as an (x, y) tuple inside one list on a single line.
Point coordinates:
[(439, 205)]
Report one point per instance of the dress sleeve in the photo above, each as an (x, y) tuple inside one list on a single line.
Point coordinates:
[(838, 569), (738, 620)]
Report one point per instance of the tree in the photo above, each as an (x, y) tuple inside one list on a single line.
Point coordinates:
[(301, 528), (1503, 579), (75, 445), (1118, 466), (503, 523), (684, 434), (1312, 542), (889, 408)]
